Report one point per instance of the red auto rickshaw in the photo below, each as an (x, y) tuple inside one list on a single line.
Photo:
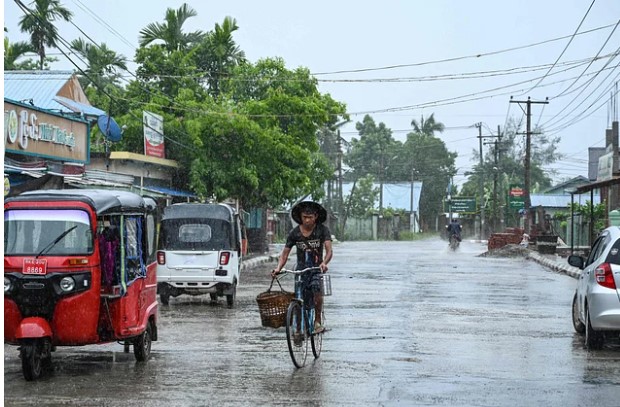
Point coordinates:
[(79, 269)]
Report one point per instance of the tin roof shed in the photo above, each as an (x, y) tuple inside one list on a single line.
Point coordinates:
[(50, 90)]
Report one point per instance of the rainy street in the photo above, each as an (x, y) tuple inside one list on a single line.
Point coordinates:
[(410, 323)]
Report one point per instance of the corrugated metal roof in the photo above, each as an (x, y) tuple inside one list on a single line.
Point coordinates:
[(560, 201), (40, 87)]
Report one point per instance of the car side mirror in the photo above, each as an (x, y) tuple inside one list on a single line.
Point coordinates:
[(576, 261)]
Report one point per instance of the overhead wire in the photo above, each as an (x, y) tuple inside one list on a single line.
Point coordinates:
[(563, 51), (590, 64), (552, 122)]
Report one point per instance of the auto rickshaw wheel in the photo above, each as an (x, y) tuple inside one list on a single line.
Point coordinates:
[(142, 345), (32, 359), (230, 298)]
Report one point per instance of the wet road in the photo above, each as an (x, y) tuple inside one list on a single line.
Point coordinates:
[(410, 324)]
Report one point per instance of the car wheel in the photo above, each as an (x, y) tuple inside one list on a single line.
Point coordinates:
[(577, 324), (594, 339), (213, 297), (164, 298)]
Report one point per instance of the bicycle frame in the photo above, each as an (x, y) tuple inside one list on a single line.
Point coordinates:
[(308, 312), (300, 323)]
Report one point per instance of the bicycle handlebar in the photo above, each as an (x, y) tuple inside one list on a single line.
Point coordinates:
[(285, 271)]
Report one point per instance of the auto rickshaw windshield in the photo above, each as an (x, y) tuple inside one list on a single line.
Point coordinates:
[(30, 231)]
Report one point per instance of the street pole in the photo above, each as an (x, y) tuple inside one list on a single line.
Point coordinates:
[(340, 203), (481, 184), (411, 215), (528, 145)]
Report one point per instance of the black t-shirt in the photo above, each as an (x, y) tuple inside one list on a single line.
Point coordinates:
[(309, 249)]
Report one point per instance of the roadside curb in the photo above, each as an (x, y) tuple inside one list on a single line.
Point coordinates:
[(571, 271), (257, 261)]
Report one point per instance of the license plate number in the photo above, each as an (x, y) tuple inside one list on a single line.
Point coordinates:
[(35, 266)]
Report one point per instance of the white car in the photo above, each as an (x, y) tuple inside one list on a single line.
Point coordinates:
[(200, 251), (596, 304)]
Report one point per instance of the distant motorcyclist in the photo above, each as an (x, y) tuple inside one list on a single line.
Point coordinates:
[(454, 228)]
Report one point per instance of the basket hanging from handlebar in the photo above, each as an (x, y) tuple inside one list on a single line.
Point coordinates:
[(273, 306)]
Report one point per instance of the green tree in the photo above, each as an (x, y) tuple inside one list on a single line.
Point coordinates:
[(374, 152), (432, 163), (39, 23), (171, 31), (16, 51), (363, 197), (509, 152), (218, 54), (102, 63), (428, 126)]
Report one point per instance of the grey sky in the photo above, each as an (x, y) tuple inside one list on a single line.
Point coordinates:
[(329, 36)]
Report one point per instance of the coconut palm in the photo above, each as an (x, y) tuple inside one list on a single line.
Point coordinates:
[(428, 126), (171, 32), (218, 54), (38, 22), (13, 52), (102, 61)]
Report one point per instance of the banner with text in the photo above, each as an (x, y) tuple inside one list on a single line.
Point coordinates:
[(153, 134)]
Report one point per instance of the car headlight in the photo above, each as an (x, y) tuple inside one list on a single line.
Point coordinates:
[(67, 284), (7, 284)]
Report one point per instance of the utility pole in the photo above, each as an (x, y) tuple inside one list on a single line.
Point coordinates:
[(494, 212), (528, 145), (340, 203), (481, 183)]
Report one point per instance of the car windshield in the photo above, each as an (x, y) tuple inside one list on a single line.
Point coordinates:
[(195, 234), (31, 231)]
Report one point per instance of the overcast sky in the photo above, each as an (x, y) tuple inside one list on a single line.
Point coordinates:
[(490, 50)]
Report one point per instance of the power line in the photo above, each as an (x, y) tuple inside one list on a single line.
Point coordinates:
[(458, 58), (591, 62), (563, 51)]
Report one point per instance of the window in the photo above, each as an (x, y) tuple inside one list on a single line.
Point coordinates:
[(48, 231)]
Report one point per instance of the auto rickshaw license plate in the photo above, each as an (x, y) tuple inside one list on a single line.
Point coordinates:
[(35, 266)]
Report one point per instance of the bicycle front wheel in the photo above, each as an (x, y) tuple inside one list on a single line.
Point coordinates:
[(296, 334), (317, 339)]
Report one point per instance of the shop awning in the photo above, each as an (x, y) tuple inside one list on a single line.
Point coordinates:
[(170, 191), (77, 107), (597, 185)]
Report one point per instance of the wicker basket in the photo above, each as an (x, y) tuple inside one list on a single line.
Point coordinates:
[(273, 306)]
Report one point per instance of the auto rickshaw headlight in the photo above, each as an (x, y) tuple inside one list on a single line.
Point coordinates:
[(7, 284), (67, 284)]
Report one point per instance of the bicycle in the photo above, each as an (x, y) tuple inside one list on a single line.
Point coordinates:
[(300, 322)]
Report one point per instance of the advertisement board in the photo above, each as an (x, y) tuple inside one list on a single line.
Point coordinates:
[(153, 134)]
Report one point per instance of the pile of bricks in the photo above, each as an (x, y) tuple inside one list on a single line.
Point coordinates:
[(508, 236)]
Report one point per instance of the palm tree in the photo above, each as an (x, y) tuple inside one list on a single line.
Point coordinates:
[(13, 52), (102, 61), (428, 126), (38, 22), (171, 32), (219, 54)]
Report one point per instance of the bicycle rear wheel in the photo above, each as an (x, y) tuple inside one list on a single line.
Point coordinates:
[(317, 339), (296, 334)]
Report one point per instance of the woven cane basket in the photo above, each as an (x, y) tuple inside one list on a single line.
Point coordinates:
[(273, 306)]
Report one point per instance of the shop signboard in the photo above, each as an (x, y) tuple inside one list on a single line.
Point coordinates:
[(36, 132), (153, 134), (516, 197)]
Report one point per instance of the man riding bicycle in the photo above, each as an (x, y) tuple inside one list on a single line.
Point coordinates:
[(310, 238)]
